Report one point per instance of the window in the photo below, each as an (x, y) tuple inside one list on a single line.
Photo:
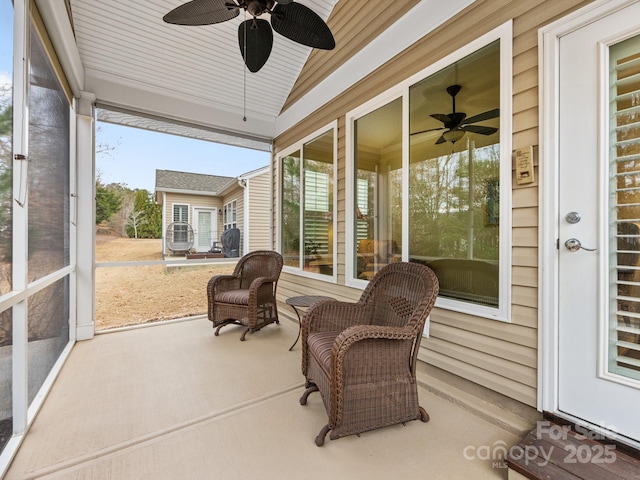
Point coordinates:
[(378, 189), (454, 176), (230, 216), (181, 223), (307, 201), (429, 177)]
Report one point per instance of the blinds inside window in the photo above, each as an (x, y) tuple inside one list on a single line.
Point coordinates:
[(624, 333)]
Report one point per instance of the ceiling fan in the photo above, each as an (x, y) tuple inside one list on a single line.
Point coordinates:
[(289, 19), (457, 123)]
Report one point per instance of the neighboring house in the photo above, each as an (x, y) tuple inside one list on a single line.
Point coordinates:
[(372, 162), (211, 204)]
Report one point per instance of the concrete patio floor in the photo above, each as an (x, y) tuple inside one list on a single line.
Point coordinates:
[(172, 401)]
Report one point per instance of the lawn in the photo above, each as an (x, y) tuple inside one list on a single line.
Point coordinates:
[(128, 296)]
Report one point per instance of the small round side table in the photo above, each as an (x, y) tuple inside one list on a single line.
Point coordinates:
[(303, 301)]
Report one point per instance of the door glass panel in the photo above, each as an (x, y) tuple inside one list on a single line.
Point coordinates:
[(624, 332), (205, 238)]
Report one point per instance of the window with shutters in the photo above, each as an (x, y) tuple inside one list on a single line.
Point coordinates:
[(624, 331)]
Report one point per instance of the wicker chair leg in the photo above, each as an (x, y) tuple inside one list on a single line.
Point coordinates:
[(244, 334), (220, 325), (321, 435), (307, 392), (424, 416)]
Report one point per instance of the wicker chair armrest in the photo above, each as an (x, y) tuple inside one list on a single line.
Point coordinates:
[(222, 283), (357, 333), (259, 288)]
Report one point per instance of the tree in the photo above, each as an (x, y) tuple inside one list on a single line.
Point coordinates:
[(108, 201), (148, 216), (136, 220)]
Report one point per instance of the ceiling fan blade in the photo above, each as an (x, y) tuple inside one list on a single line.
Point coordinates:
[(483, 116), (479, 129), (256, 39), (429, 130), (441, 117), (441, 140), (302, 25), (202, 12)]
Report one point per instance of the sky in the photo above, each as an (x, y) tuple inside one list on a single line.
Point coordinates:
[(135, 154)]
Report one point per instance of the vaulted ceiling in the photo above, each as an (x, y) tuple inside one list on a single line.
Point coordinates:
[(136, 63)]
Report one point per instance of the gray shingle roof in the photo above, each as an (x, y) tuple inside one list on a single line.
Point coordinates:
[(192, 182)]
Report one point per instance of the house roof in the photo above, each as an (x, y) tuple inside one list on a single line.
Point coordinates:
[(186, 182)]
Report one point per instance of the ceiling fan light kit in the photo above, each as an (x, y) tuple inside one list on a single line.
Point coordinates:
[(255, 37), (453, 135)]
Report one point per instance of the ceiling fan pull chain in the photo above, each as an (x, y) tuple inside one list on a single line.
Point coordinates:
[(244, 75)]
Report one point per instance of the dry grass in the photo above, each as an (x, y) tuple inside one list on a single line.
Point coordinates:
[(134, 295)]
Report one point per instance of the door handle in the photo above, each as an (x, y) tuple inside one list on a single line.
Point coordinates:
[(573, 245)]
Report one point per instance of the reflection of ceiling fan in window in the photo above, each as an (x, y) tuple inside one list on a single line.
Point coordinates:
[(457, 124)]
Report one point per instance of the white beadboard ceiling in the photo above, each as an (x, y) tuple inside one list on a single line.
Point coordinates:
[(133, 61)]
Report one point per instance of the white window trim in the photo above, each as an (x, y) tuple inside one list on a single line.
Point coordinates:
[(182, 204), (227, 207), (504, 33), (298, 146)]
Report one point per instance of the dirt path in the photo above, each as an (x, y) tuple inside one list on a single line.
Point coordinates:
[(134, 295)]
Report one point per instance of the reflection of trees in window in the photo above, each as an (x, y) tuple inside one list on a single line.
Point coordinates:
[(442, 222), (291, 209)]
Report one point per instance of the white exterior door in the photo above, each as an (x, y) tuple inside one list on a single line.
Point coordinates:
[(599, 208), (205, 232)]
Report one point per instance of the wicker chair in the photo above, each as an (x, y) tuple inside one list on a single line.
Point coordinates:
[(248, 296), (362, 356)]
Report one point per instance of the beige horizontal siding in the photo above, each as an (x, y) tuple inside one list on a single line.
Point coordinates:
[(259, 209), (498, 355)]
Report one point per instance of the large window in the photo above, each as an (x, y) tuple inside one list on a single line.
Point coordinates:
[(454, 180), (378, 189), (307, 200), (429, 180)]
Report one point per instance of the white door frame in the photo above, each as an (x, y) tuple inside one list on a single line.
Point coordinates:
[(548, 61)]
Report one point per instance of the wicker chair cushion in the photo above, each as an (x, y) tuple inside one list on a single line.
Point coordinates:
[(320, 345), (234, 297)]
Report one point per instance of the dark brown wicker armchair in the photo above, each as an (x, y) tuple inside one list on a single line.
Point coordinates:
[(362, 356), (248, 296)]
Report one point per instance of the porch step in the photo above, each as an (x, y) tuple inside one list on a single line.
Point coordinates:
[(565, 452), (514, 418)]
